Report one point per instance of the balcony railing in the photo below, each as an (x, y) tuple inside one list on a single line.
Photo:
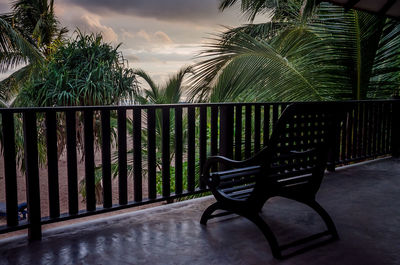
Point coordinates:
[(168, 144)]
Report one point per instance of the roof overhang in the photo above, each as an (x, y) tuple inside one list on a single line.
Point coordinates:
[(390, 8)]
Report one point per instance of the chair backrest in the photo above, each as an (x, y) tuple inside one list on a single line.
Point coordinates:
[(298, 148)]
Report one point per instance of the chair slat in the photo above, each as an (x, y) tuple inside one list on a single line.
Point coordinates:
[(257, 128), (238, 132), (247, 131)]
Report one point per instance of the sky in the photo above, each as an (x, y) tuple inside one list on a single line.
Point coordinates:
[(158, 36)]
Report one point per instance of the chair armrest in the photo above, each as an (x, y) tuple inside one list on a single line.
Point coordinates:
[(237, 168)]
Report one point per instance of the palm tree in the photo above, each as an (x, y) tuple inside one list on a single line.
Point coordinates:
[(14, 50), (36, 19), (38, 32), (169, 93), (306, 52)]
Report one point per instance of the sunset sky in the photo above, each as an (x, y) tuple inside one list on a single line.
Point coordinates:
[(159, 36)]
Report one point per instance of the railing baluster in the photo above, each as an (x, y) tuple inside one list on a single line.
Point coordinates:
[(344, 138), (178, 150), (384, 127), (226, 131), (191, 156), (355, 131), (360, 131), (122, 163), (89, 160), (379, 128), (214, 130), (267, 109), (370, 130), (238, 133), (52, 163), (337, 154), (166, 189), (395, 129), (32, 175), (388, 127), (275, 113), (137, 154), (349, 135), (10, 168), (106, 158), (203, 141), (151, 152), (257, 129), (247, 132), (72, 162), (375, 128), (366, 130)]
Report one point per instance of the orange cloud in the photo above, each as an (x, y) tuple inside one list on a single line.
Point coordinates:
[(93, 24)]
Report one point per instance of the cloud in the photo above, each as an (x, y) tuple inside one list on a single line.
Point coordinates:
[(92, 24), (172, 10), (162, 37), (143, 34), (145, 38), (5, 6)]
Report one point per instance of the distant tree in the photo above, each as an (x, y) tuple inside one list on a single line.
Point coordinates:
[(169, 93), (83, 71)]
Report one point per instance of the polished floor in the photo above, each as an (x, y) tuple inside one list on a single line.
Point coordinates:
[(363, 200)]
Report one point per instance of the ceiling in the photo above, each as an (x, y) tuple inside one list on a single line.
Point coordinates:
[(390, 8)]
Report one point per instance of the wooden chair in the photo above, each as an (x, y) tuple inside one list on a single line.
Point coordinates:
[(292, 165)]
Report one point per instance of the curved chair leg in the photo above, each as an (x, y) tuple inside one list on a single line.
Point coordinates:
[(263, 226), (207, 213), (325, 216)]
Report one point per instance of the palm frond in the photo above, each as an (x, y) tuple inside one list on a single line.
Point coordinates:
[(13, 44)]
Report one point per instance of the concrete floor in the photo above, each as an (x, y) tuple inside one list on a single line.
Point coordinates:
[(363, 200)]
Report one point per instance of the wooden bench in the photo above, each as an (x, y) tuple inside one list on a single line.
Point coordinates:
[(291, 166)]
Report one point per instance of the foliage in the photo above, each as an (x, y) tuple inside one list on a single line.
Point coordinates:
[(14, 50), (29, 33), (169, 93), (83, 71), (306, 52)]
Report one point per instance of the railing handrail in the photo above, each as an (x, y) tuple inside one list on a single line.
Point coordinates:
[(185, 104)]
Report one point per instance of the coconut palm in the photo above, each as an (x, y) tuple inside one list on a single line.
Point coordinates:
[(36, 18), (14, 50), (306, 52), (169, 93), (37, 27)]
